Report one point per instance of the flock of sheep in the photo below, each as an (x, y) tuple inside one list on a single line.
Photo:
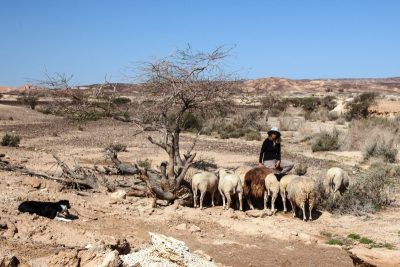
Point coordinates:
[(259, 183)]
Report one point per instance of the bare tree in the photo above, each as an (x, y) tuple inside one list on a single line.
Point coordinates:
[(184, 82)]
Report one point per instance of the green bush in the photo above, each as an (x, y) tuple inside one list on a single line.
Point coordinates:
[(121, 100), (326, 141), (354, 236), (329, 102), (191, 122), (11, 140), (308, 104), (146, 163), (274, 104), (117, 147), (359, 107)]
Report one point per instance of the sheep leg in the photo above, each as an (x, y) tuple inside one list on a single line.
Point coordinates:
[(212, 198), (249, 203), (310, 207), (303, 209), (223, 199), (201, 199), (195, 197), (274, 196), (240, 195), (283, 196), (293, 208), (229, 200), (265, 199)]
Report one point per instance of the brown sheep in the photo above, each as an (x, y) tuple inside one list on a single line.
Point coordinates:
[(254, 184)]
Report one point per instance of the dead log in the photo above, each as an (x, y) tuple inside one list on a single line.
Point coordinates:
[(78, 177)]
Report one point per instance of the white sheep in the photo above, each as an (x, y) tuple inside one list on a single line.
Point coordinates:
[(301, 190), (272, 190), (283, 183), (241, 172), (337, 180), (230, 184), (205, 182)]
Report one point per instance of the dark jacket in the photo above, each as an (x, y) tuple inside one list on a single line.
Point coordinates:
[(269, 151)]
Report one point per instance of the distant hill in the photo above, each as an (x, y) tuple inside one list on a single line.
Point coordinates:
[(272, 84)]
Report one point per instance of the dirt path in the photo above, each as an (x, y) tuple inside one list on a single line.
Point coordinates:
[(231, 238)]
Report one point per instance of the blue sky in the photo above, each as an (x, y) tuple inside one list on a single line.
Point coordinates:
[(293, 39)]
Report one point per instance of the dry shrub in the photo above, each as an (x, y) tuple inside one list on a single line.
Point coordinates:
[(373, 136), (326, 141), (333, 115), (11, 140), (117, 147), (301, 169), (382, 147), (359, 107), (144, 163), (341, 121), (251, 120), (205, 164), (320, 114), (287, 123), (369, 192), (226, 129), (274, 104)]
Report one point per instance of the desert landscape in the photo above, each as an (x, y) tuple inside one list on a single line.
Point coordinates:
[(113, 217)]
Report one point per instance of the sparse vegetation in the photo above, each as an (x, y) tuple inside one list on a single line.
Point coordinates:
[(359, 107), (144, 163), (117, 147), (367, 194), (354, 236), (290, 123), (326, 141), (381, 148), (375, 137), (300, 169), (29, 100), (274, 104), (335, 242), (355, 239), (11, 140)]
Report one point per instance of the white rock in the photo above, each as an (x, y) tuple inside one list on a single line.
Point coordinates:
[(120, 194), (167, 252), (182, 226), (194, 229)]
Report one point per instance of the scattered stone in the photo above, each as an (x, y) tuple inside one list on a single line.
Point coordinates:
[(194, 229), (205, 255), (122, 246), (259, 213), (120, 194), (111, 259), (3, 226), (33, 182), (8, 261), (182, 226), (165, 251), (65, 258)]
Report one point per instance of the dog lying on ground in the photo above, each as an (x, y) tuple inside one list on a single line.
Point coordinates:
[(49, 210)]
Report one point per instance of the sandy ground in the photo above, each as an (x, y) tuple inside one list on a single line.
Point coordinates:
[(231, 238)]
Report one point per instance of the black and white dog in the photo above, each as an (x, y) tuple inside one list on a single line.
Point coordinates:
[(46, 209)]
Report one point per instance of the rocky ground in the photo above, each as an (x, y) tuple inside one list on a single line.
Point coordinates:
[(110, 225)]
